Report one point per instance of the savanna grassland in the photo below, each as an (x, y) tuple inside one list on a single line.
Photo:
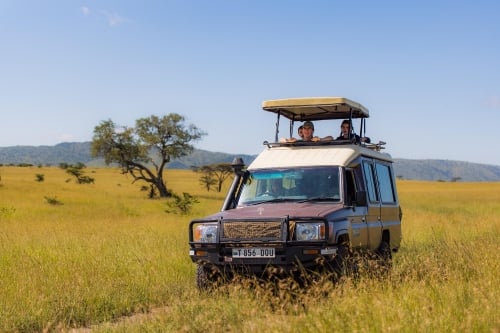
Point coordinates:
[(103, 258)]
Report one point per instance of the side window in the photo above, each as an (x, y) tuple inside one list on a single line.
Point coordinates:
[(386, 185), (370, 181), (350, 186)]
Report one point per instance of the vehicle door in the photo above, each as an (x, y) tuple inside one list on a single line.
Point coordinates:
[(373, 216), (357, 217), (389, 212)]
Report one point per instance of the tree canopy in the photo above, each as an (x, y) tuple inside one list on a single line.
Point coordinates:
[(143, 151), (214, 175)]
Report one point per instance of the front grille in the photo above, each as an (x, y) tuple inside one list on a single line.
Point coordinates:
[(249, 230)]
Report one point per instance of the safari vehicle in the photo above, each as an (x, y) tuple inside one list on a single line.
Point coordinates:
[(302, 205)]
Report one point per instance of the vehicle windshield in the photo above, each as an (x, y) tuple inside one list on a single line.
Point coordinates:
[(291, 184)]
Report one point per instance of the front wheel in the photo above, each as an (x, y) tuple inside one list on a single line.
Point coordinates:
[(207, 277), (343, 264)]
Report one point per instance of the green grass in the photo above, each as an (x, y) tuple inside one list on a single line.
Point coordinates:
[(110, 259)]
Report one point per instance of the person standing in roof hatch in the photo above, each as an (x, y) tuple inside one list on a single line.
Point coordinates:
[(299, 131), (347, 134), (308, 132)]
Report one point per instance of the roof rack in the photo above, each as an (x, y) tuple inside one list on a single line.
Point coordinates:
[(373, 146)]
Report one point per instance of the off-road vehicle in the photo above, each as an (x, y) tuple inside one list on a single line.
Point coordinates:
[(302, 205)]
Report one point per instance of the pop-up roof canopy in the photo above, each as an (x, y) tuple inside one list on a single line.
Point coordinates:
[(316, 108)]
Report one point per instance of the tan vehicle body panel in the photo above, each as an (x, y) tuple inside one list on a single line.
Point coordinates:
[(313, 155)]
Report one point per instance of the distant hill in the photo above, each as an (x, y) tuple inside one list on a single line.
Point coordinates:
[(74, 152), (67, 152), (445, 170)]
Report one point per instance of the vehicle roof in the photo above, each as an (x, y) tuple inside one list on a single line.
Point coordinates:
[(316, 108), (285, 157)]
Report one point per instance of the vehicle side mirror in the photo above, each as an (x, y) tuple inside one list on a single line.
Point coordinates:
[(360, 199)]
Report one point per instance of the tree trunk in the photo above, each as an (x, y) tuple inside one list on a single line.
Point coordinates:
[(162, 189)]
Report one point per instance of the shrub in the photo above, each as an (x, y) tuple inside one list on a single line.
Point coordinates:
[(182, 204), (77, 171), (53, 201)]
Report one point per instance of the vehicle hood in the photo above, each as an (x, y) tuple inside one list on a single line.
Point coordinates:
[(278, 210)]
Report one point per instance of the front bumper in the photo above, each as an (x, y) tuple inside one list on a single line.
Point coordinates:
[(287, 259), (276, 234)]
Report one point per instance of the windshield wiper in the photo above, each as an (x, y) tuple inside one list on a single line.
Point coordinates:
[(268, 201), (320, 199)]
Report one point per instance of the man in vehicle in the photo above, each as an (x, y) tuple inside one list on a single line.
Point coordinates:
[(347, 134), (308, 134), (299, 131)]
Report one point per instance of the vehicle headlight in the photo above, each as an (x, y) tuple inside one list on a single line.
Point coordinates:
[(205, 233), (309, 231)]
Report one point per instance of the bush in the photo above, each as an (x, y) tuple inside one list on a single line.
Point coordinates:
[(77, 171), (182, 204), (53, 201)]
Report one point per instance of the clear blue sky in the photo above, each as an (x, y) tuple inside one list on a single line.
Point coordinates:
[(428, 71)]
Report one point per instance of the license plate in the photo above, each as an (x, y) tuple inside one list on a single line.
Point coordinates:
[(253, 252)]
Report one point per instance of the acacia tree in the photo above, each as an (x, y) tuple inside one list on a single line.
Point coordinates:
[(207, 181), (214, 174), (154, 141)]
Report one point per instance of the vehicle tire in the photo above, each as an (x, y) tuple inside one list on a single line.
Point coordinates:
[(343, 263), (206, 277), (384, 255)]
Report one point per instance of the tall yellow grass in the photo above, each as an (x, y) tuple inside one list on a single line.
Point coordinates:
[(112, 260)]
